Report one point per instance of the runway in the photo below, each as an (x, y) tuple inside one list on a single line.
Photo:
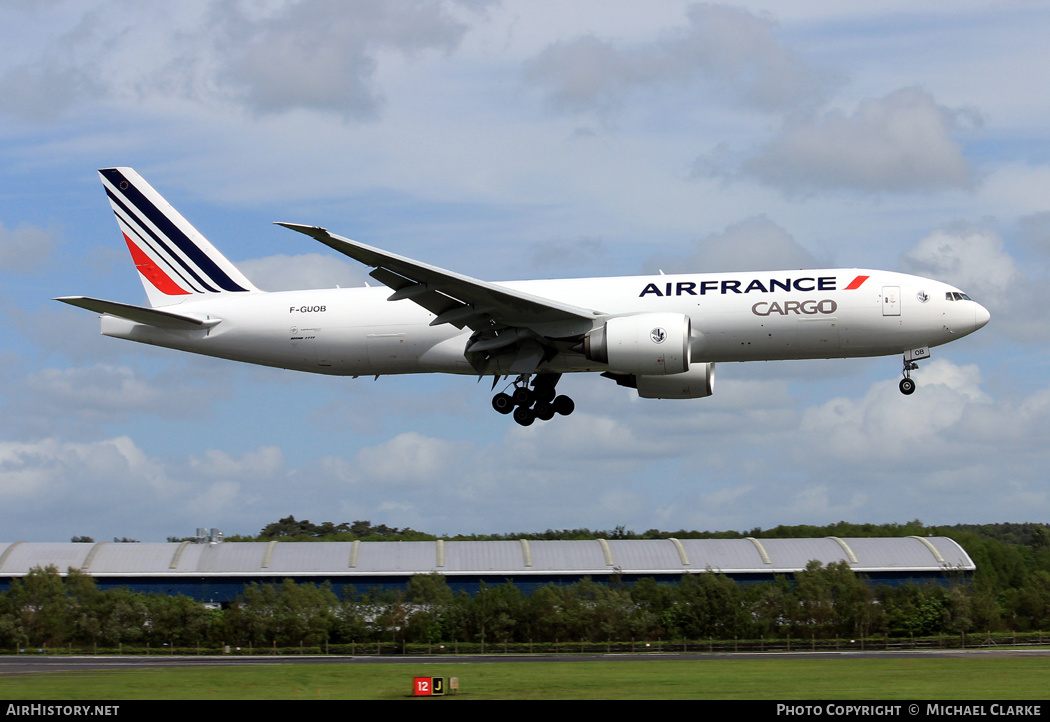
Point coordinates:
[(37, 665)]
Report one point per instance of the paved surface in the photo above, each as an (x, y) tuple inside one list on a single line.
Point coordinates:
[(31, 665)]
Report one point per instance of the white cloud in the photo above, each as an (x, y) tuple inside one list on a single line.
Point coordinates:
[(308, 270), (251, 466), (318, 55), (26, 247), (754, 244), (1034, 233), (220, 498), (411, 459), (970, 257), (52, 489), (733, 51), (39, 93), (898, 143), (879, 429), (950, 450), (753, 454), (53, 469), (1017, 188), (81, 401), (322, 54), (823, 501), (975, 259), (603, 442)]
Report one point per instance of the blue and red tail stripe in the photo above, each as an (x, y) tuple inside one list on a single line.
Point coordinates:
[(145, 238), (187, 264)]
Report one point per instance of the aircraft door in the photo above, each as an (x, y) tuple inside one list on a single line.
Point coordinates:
[(891, 300)]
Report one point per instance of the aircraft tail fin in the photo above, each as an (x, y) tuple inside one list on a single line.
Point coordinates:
[(175, 262)]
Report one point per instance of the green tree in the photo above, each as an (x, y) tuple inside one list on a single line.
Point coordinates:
[(915, 609), (832, 601), (430, 597), (42, 607), (178, 620), (653, 616), (1033, 602), (285, 615), (768, 604), (708, 606), (492, 615)]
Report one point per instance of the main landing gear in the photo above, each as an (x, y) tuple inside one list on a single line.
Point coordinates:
[(540, 401)]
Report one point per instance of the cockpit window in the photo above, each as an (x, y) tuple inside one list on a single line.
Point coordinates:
[(956, 296)]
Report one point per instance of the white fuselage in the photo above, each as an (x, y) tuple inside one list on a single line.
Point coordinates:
[(746, 316)]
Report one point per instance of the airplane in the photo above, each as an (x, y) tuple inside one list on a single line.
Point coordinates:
[(661, 335)]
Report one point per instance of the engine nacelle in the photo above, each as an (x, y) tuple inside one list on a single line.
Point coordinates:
[(647, 344), (696, 383)]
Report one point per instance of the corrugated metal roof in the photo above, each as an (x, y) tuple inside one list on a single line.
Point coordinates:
[(635, 556)]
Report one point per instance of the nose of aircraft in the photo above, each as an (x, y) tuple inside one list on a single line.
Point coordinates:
[(981, 316)]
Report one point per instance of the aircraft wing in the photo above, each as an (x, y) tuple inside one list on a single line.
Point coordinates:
[(149, 316), (457, 299)]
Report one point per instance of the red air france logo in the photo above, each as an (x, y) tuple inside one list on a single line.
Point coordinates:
[(856, 283)]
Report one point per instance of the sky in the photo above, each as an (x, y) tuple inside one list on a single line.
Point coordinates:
[(511, 140)]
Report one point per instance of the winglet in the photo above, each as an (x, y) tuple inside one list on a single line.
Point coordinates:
[(302, 228)]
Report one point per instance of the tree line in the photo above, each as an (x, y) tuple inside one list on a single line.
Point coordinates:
[(46, 609)]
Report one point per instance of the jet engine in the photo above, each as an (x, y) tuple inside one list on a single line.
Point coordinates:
[(696, 383), (646, 344)]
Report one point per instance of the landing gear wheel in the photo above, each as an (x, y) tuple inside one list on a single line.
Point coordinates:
[(907, 387), (564, 405), (524, 415), (544, 410), (523, 397), (503, 403)]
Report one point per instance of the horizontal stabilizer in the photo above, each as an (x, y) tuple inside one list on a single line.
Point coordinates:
[(138, 314)]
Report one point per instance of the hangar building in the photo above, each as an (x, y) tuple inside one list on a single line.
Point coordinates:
[(212, 571)]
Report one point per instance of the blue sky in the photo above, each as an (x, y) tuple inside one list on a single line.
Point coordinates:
[(512, 140)]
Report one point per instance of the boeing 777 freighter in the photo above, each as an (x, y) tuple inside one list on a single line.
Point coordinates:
[(661, 335)]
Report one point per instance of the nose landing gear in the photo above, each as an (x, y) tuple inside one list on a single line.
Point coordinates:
[(540, 401), (911, 359)]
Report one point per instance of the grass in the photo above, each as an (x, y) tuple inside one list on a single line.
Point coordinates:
[(1022, 678)]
